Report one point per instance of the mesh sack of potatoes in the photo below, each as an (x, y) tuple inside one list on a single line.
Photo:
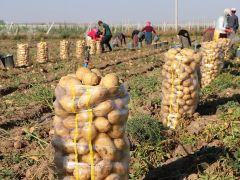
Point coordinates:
[(98, 47), (22, 55), (80, 48), (42, 52), (212, 62), (64, 49), (180, 85), (225, 44), (90, 142), (92, 44)]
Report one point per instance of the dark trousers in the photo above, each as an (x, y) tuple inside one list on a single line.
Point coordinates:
[(106, 41)]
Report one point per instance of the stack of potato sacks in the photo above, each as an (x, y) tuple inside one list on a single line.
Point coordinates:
[(98, 47), (225, 44), (80, 45), (42, 52), (212, 62), (64, 49), (180, 86), (90, 117), (22, 55)]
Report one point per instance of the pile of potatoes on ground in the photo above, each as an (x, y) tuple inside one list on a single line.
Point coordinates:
[(91, 111), (212, 62), (42, 52), (180, 86)]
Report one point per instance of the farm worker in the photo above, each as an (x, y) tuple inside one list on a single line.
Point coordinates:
[(184, 38), (208, 34), (106, 35), (233, 20), (119, 40), (222, 29), (94, 34), (137, 36), (148, 29)]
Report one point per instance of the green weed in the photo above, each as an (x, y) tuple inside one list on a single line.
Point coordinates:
[(145, 129)]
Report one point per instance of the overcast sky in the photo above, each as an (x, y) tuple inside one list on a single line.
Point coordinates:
[(112, 11)]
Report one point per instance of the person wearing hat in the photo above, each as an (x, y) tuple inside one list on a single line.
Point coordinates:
[(148, 30), (222, 30), (106, 35), (233, 20)]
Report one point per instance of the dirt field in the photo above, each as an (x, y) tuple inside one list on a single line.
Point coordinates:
[(205, 146)]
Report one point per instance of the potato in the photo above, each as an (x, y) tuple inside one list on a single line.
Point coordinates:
[(103, 108), (57, 121), (118, 116), (58, 110), (59, 92), (103, 169), (84, 172), (86, 129), (186, 97), (69, 178), (97, 95), (187, 83), (102, 124), (61, 131), (90, 79), (73, 133), (69, 104), (67, 81), (81, 72), (119, 168), (104, 146), (113, 177), (86, 158), (117, 131), (68, 160), (119, 143), (111, 82), (68, 146), (82, 146), (70, 122), (97, 72)]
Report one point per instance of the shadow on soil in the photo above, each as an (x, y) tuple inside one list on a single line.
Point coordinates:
[(185, 166), (210, 107)]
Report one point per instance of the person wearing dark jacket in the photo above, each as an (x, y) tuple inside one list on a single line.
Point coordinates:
[(106, 35), (184, 38), (233, 20)]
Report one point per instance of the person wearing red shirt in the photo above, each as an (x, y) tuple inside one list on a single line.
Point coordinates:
[(93, 34), (148, 30)]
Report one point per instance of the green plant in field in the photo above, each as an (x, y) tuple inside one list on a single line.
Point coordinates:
[(143, 85), (143, 157), (229, 111), (121, 66), (188, 139), (7, 174), (223, 81), (37, 94), (145, 129)]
